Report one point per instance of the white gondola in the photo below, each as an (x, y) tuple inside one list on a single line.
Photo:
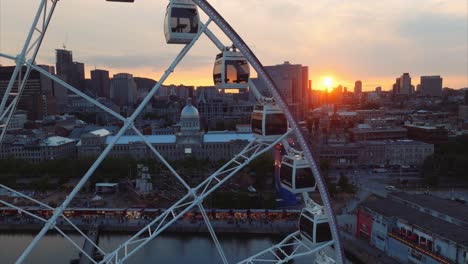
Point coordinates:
[(314, 227), (268, 121), (296, 175), (182, 22), (231, 70)]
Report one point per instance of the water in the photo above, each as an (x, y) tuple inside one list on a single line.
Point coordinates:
[(53, 249)]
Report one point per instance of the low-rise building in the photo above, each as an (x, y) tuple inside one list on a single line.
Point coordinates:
[(428, 134), (463, 112), (394, 152), (92, 143), (379, 133), (190, 141), (416, 228), (17, 121), (36, 150)]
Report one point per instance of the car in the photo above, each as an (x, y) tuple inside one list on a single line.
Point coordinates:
[(390, 188)]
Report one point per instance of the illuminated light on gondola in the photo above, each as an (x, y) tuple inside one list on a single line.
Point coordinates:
[(231, 70)]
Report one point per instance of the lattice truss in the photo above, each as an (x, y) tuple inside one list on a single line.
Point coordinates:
[(291, 247)]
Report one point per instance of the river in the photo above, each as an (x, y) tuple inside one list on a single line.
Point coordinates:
[(168, 249)]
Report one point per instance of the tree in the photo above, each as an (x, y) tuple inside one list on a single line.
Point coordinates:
[(343, 182), (429, 170), (263, 168)]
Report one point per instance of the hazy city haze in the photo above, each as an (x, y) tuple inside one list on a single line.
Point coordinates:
[(373, 41)]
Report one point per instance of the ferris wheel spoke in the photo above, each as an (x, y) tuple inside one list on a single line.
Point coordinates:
[(128, 122), (213, 233), (162, 159), (262, 74), (51, 209), (279, 252), (76, 91), (171, 215), (252, 151), (6, 56), (200, 206), (21, 60), (240, 55), (55, 227)]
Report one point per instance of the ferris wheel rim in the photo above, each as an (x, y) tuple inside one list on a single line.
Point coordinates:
[(253, 60), (257, 65)]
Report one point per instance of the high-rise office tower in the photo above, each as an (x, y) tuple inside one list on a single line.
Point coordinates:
[(466, 97), (37, 97), (396, 86), (123, 89), (357, 87), (63, 62), (68, 70), (431, 86), (100, 83), (405, 84), (292, 81), (78, 75)]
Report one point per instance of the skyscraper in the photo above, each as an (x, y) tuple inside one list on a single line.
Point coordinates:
[(64, 62), (123, 89), (396, 86), (292, 81), (466, 97), (431, 86), (37, 98), (100, 83), (405, 84), (357, 87), (78, 75), (68, 70)]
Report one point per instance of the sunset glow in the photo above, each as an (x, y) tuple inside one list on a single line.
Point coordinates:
[(327, 82)]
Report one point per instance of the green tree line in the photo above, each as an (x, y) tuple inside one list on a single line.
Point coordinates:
[(449, 161)]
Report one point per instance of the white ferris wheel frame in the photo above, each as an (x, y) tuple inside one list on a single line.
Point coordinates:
[(194, 196)]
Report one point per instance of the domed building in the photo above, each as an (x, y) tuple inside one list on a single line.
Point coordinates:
[(189, 120), (190, 141)]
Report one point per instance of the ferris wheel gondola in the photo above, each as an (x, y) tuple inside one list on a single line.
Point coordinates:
[(314, 227), (268, 121), (182, 22), (231, 70), (296, 175)]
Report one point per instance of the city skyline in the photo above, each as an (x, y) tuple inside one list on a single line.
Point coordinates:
[(346, 143), (339, 46)]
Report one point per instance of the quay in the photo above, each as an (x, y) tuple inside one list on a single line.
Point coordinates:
[(180, 227), (131, 220)]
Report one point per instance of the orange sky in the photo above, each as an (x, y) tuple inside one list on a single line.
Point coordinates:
[(372, 41)]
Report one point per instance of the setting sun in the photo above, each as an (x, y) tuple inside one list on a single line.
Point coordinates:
[(327, 82)]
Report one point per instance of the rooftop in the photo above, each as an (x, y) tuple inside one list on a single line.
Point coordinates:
[(101, 132), (394, 142), (56, 141), (448, 207), (389, 208), (211, 137), (363, 129), (226, 137)]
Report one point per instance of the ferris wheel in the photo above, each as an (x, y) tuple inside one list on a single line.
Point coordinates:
[(272, 124)]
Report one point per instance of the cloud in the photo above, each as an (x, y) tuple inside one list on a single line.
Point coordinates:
[(352, 39)]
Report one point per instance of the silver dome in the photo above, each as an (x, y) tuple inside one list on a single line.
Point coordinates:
[(189, 111)]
